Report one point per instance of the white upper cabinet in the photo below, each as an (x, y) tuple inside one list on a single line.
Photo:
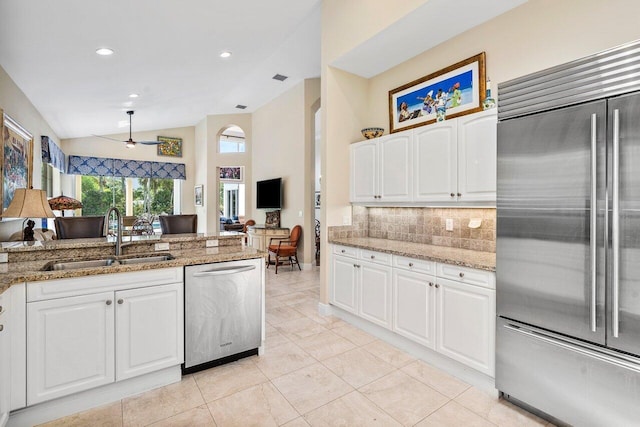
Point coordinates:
[(477, 156), (436, 162), (381, 169), (451, 162)]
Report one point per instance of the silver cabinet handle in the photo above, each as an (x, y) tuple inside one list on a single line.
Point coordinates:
[(120, 301), (1, 309), (437, 286), (343, 251), (410, 264), (459, 194), (453, 195), (1, 328), (461, 275), (615, 222), (430, 283), (373, 257), (593, 220), (225, 270), (109, 302)]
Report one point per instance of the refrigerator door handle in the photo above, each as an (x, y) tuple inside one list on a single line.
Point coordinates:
[(615, 224), (593, 221)]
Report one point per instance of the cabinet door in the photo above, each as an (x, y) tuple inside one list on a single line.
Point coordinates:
[(395, 167), (435, 162), (364, 174), (466, 324), (414, 306), (149, 329), (477, 157), (70, 345), (343, 283), (375, 293)]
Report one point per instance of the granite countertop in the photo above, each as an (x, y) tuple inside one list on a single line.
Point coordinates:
[(30, 271), (463, 257)]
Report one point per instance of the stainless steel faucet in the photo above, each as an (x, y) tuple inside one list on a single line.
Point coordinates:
[(118, 227)]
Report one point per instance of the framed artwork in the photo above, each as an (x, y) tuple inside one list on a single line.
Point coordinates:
[(317, 199), (231, 174), (198, 193), (451, 92), (17, 158), (170, 147)]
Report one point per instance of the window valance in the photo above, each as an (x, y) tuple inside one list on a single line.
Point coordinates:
[(52, 153), (101, 166)]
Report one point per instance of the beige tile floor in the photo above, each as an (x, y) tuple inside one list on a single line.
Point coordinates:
[(316, 371)]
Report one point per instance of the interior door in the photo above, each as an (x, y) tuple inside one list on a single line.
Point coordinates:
[(623, 116), (544, 259)]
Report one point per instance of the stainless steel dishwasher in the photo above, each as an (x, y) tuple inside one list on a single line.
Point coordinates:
[(223, 312)]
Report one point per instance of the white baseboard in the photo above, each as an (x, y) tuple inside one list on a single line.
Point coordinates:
[(57, 408), (450, 366)]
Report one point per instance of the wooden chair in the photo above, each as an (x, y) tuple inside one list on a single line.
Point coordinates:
[(79, 227), (178, 224), (286, 248)]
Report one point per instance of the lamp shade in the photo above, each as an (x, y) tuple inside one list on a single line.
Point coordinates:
[(63, 202), (29, 203)]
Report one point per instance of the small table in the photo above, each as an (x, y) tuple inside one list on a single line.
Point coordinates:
[(259, 236)]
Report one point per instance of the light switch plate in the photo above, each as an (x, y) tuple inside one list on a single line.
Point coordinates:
[(212, 243), (448, 224), (162, 246)]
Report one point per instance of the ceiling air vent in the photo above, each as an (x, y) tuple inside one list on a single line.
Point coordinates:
[(241, 107), (280, 77)]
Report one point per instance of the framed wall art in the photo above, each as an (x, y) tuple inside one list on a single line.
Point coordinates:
[(231, 173), (17, 158), (451, 92), (170, 147), (198, 195)]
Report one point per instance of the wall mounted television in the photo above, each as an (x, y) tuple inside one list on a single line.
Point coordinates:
[(269, 194)]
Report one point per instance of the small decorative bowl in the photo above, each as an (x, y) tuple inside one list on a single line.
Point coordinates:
[(370, 133)]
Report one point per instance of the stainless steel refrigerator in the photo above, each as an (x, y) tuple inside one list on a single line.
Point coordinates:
[(568, 240)]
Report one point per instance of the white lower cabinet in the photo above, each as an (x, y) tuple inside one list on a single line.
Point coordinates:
[(447, 308), (414, 306), (76, 343), (5, 362)]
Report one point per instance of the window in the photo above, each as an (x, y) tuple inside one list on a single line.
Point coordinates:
[(47, 179), (146, 195), (232, 140)]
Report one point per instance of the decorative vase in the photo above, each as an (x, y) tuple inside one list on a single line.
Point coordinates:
[(441, 114), (488, 102)]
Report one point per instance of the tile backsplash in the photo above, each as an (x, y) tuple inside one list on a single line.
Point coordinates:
[(424, 225)]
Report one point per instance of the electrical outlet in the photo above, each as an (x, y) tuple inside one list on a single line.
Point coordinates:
[(162, 246), (448, 224)]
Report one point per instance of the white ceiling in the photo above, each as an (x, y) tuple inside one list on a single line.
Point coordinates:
[(168, 52), (165, 50)]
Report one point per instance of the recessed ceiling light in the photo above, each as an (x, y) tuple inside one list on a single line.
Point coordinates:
[(241, 107), (225, 54), (104, 51), (280, 77), (133, 95)]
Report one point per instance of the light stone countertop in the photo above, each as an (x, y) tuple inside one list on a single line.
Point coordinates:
[(455, 256), (31, 271)]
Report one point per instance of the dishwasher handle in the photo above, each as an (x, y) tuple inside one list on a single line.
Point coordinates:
[(224, 270)]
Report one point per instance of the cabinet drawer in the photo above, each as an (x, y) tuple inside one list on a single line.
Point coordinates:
[(59, 288), (377, 257), (471, 276), (345, 251), (412, 264)]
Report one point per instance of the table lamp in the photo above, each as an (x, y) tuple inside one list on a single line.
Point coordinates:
[(62, 203), (28, 203)]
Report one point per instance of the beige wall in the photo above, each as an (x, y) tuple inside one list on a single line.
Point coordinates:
[(283, 147), (200, 176), (539, 34), (14, 103)]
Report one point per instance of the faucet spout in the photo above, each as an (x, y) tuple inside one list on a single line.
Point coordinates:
[(118, 227)]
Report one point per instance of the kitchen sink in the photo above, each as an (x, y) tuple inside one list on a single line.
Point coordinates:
[(105, 262), (72, 265)]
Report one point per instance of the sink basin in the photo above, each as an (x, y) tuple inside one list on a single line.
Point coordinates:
[(105, 262), (145, 259), (72, 265)]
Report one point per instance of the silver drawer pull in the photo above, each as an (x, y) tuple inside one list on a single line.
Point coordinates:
[(373, 257), (109, 302), (461, 274), (1, 309), (343, 251), (120, 301), (430, 283), (1, 328), (410, 264), (437, 286)]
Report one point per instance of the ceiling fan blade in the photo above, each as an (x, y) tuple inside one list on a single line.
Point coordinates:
[(149, 142), (110, 139)]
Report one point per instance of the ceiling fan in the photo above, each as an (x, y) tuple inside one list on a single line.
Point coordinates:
[(130, 143)]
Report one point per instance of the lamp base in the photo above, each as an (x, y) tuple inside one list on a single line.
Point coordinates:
[(27, 233)]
